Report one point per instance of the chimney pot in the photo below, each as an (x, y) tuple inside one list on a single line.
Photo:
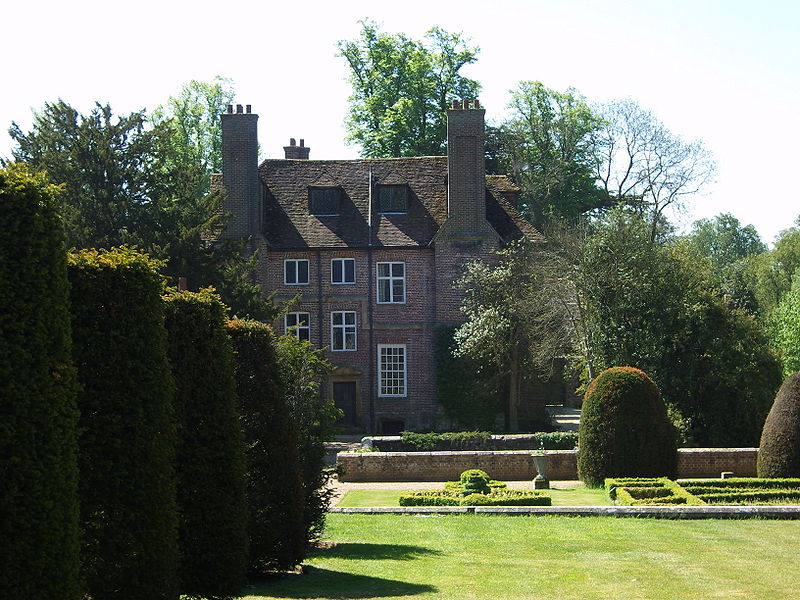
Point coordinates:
[(302, 142), (239, 109), (476, 104), (248, 108), (292, 142), (465, 104), (454, 105), (230, 108)]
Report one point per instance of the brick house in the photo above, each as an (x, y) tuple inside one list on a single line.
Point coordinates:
[(373, 247)]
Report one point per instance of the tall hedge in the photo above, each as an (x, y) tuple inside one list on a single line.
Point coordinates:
[(38, 416), (624, 429), (274, 483), (127, 479), (779, 452), (210, 451)]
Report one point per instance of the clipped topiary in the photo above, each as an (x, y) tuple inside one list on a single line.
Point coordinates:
[(624, 429), (210, 463), (779, 453), (38, 414), (127, 442), (275, 491), (474, 481)]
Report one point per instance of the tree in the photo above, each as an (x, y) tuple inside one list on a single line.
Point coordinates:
[(402, 89), (654, 307), (39, 425), (510, 323), (302, 368), (727, 245), (547, 145), (772, 272), (779, 448), (131, 182), (784, 328), (640, 163)]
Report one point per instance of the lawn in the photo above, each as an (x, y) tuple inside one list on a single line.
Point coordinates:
[(575, 497), (499, 557)]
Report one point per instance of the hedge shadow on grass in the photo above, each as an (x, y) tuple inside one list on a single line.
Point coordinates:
[(325, 583), (361, 551)]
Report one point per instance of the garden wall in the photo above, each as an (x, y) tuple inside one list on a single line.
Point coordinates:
[(518, 464)]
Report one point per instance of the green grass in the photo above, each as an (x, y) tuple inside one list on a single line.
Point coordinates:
[(547, 558), (577, 497)]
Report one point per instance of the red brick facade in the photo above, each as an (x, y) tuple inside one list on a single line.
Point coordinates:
[(448, 212)]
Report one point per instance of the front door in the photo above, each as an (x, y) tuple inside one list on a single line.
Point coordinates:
[(344, 397)]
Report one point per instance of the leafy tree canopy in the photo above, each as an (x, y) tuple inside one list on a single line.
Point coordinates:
[(402, 89)]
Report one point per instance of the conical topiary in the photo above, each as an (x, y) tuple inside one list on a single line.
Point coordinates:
[(624, 430), (779, 453)]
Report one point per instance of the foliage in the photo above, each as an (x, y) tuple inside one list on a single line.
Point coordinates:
[(474, 481), (210, 460), (194, 120), (624, 429), (463, 440), (131, 181), (645, 491), (127, 445), (470, 394), (547, 145), (779, 450), (640, 163), (494, 498), (655, 307), (769, 275), (274, 485), (38, 427), (728, 245), (511, 323), (784, 328), (402, 89), (302, 368)]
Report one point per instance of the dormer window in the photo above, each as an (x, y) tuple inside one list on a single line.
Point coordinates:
[(324, 201), (392, 199)]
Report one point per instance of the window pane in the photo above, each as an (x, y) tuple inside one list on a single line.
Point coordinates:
[(336, 271), (302, 271), (350, 271), (337, 318), (398, 290), (325, 201), (304, 334), (398, 269), (383, 269), (384, 290), (338, 338), (350, 318), (290, 274)]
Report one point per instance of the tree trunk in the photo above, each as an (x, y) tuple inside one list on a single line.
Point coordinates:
[(513, 393)]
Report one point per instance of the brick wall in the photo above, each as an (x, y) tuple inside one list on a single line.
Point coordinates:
[(410, 324), (518, 465)]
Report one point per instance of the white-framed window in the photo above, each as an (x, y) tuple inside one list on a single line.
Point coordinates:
[(295, 271), (343, 270), (392, 370), (301, 322), (391, 282), (343, 331)]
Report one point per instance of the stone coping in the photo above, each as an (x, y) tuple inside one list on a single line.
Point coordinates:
[(652, 512)]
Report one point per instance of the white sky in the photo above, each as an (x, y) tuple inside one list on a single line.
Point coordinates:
[(725, 71)]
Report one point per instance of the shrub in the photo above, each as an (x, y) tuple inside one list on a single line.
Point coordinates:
[(471, 395), (274, 485), (495, 498), (779, 453), (630, 491), (38, 426), (302, 368), (210, 451), (624, 430), (461, 440), (127, 479), (474, 481)]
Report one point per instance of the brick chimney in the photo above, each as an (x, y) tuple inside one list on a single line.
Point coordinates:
[(294, 151), (466, 188), (240, 172)]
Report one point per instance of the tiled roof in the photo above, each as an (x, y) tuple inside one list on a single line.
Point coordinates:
[(288, 222)]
